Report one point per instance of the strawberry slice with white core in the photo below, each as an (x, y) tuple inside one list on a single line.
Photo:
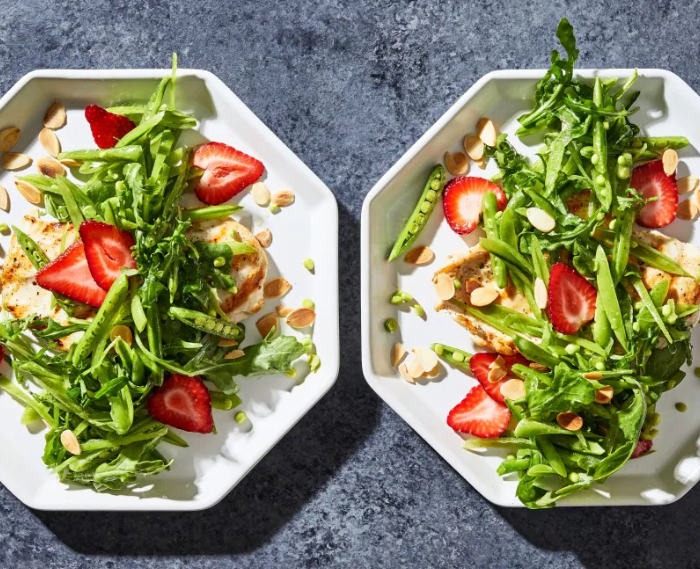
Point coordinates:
[(480, 364), (462, 200), (572, 299), (479, 415), (69, 275), (651, 181), (227, 172), (183, 402), (108, 250)]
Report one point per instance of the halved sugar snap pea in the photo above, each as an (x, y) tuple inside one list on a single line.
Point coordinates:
[(210, 212), (650, 306), (425, 206), (138, 314), (538, 260), (663, 142), (602, 332), (205, 323), (608, 297), (602, 186), (489, 209), (34, 253), (452, 355), (535, 353), (121, 154)]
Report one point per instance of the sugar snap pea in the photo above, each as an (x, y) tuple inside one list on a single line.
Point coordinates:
[(425, 206), (538, 260), (650, 306), (535, 353), (664, 142), (621, 245), (603, 188), (552, 456), (602, 332), (608, 297), (205, 323), (489, 209), (210, 212), (138, 314), (34, 253), (122, 154), (507, 232), (453, 355), (507, 253)]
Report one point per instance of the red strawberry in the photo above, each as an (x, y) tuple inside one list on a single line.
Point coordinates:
[(650, 181), (571, 299), (107, 249), (480, 366), (227, 172), (107, 128), (479, 415), (183, 402), (643, 447), (462, 201), (69, 274)]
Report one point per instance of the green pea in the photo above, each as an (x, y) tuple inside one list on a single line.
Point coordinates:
[(600, 180), (458, 284), (241, 417), (274, 208), (681, 407), (4, 228), (574, 477), (309, 264), (571, 349), (199, 321), (419, 310), (425, 207), (595, 159), (671, 383), (600, 216), (623, 172), (391, 325), (635, 326), (308, 303), (459, 358), (219, 262), (431, 195), (600, 366), (437, 348), (655, 419), (613, 223), (696, 372)]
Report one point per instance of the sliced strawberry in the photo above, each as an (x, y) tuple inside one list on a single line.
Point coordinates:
[(643, 447), (226, 172), (480, 365), (69, 275), (479, 415), (651, 181), (108, 249), (571, 299), (462, 201), (107, 128), (183, 402)]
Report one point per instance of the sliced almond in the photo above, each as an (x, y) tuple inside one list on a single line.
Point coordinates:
[(55, 116), (264, 238), (483, 296), (688, 209), (444, 286), (29, 192), (50, 167), (9, 137), (670, 161), (471, 285), (398, 352), (49, 141), (267, 323), (420, 255), (4, 199), (276, 288), (403, 370), (227, 343), (593, 375), (123, 332), (538, 367), (283, 198), (415, 370), (487, 131), (456, 164), (234, 355), (70, 442), (301, 318), (541, 294), (481, 163), (70, 163), (283, 311), (540, 219), (687, 184), (261, 195), (497, 370), (15, 161), (474, 147), (570, 421), (604, 395), (433, 373), (427, 358), (513, 389)]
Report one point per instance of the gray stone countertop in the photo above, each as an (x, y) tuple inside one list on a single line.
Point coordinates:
[(349, 86)]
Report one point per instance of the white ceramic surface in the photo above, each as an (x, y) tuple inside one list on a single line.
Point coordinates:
[(668, 107), (213, 464)]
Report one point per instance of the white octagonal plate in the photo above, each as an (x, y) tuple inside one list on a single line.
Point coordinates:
[(668, 107), (213, 464)]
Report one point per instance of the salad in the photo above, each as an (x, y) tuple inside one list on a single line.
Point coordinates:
[(585, 309), (124, 311)]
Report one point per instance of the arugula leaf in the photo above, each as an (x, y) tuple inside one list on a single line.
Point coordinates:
[(567, 392)]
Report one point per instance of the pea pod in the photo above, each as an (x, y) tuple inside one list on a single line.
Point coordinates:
[(608, 297), (205, 323), (538, 260), (498, 266), (507, 253), (507, 232), (34, 253), (552, 456), (210, 212), (650, 306), (602, 332), (122, 154), (532, 428), (603, 189), (425, 206), (453, 355), (138, 314), (664, 142), (621, 245), (535, 353)]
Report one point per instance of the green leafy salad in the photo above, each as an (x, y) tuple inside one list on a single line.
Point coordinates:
[(144, 305)]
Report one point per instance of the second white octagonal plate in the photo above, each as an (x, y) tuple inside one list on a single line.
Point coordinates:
[(213, 464), (668, 107)]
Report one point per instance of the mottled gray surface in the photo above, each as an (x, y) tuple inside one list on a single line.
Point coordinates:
[(349, 86)]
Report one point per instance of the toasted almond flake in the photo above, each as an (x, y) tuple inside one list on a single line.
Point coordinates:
[(481, 163), (403, 370), (688, 209), (483, 296), (604, 395), (284, 310), (433, 373), (592, 375), (50, 167), (427, 358), (301, 318), (234, 355), (497, 370), (261, 195), (474, 147), (538, 367), (15, 161), (444, 286), (70, 163), (227, 343), (123, 332), (8, 137), (420, 255), (487, 131), (55, 116), (670, 161), (398, 353), (541, 295), (276, 288), (540, 219), (49, 141), (4, 199), (29, 192), (513, 389), (267, 323), (70, 442), (264, 238), (570, 421), (456, 164), (471, 285), (415, 370), (283, 198), (687, 184)]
